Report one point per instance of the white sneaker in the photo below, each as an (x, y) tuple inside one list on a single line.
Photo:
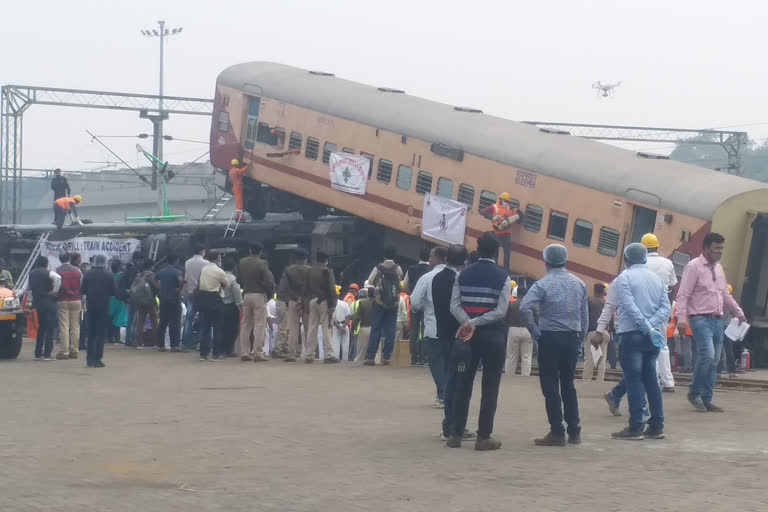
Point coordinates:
[(438, 404)]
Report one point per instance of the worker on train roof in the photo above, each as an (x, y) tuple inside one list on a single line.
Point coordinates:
[(502, 215)]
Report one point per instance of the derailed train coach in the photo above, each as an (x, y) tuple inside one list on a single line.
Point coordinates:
[(591, 197)]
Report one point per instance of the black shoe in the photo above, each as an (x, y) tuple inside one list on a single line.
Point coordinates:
[(574, 438), (98, 364), (487, 444), (713, 408), (653, 433), (453, 442), (550, 440), (628, 435), (670, 389)]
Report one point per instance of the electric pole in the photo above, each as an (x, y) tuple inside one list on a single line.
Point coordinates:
[(157, 119)]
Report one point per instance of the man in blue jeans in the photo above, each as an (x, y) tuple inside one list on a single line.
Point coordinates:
[(385, 278), (702, 298), (642, 306), (192, 269), (614, 396)]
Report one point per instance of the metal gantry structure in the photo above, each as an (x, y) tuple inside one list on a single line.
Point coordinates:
[(16, 99), (732, 142)]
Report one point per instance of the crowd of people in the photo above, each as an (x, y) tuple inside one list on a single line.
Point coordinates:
[(462, 313)]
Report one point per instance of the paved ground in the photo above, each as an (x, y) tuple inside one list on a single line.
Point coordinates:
[(161, 432)]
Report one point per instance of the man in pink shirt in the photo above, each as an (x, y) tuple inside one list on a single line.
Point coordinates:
[(701, 299)]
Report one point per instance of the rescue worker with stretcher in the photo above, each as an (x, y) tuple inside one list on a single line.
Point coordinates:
[(502, 215)]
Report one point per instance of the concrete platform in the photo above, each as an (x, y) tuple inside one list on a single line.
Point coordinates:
[(161, 431)]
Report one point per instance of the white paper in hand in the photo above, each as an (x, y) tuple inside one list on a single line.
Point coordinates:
[(597, 353), (736, 331)]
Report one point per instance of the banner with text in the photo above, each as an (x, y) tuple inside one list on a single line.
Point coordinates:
[(444, 219), (112, 248), (349, 173)]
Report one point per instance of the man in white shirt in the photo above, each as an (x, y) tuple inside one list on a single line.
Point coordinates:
[(421, 300), (192, 269), (665, 269), (340, 329), (213, 280)]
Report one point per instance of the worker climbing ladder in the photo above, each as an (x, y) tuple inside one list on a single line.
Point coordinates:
[(234, 223), (21, 282)]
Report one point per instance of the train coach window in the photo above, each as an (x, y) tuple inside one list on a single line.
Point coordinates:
[(250, 133), (444, 188), (348, 151), (370, 162), (404, 177), (384, 172), (223, 124), (294, 142), (264, 135), (279, 137), (466, 195), (582, 233), (680, 259), (312, 149), (328, 148), (532, 218), (558, 224), (486, 199), (608, 242), (423, 182)]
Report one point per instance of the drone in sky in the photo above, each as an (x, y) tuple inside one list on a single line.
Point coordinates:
[(605, 89)]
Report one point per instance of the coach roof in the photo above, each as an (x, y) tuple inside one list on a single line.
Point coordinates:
[(671, 185)]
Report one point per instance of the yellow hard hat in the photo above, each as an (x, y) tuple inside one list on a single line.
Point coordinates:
[(505, 196), (235, 161), (338, 289), (650, 241), (77, 198), (730, 289), (512, 284)]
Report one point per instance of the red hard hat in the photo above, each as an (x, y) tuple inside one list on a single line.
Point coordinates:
[(354, 286)]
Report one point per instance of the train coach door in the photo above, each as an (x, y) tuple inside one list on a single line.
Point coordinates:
[(754, 295), (643, 221)]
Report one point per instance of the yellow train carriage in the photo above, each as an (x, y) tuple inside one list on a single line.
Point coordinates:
[(593, 198)]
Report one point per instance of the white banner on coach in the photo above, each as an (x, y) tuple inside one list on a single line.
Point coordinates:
[(112, 248), (444, 219), (349, 173)]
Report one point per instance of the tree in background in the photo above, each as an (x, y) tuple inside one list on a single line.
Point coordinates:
[(754, 158)]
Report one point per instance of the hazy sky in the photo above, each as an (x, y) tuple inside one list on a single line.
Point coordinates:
[(683, 63)]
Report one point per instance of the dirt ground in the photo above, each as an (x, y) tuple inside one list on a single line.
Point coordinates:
[(161, 432)]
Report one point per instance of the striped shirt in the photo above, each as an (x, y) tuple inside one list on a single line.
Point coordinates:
[(562, 301)]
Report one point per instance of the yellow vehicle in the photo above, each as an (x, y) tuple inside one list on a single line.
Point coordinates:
[(11, 326)]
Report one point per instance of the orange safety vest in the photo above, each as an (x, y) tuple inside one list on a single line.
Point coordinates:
[(672, 324), (65, 202), (503, 213), (349, 298)]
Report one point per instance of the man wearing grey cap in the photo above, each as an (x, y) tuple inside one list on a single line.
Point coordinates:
[(561, 298), (642, 306), (98, 286)]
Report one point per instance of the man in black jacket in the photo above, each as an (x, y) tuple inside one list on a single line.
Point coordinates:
[(98, 286), (447, 325), (417, 317), (44, 289), (60, 187)]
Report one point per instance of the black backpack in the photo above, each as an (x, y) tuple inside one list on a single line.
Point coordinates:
[(388, 287)]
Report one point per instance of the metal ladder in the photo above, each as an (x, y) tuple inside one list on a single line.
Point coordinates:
[(235, 219), (216, 208), (154, 247), (21, 282)]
